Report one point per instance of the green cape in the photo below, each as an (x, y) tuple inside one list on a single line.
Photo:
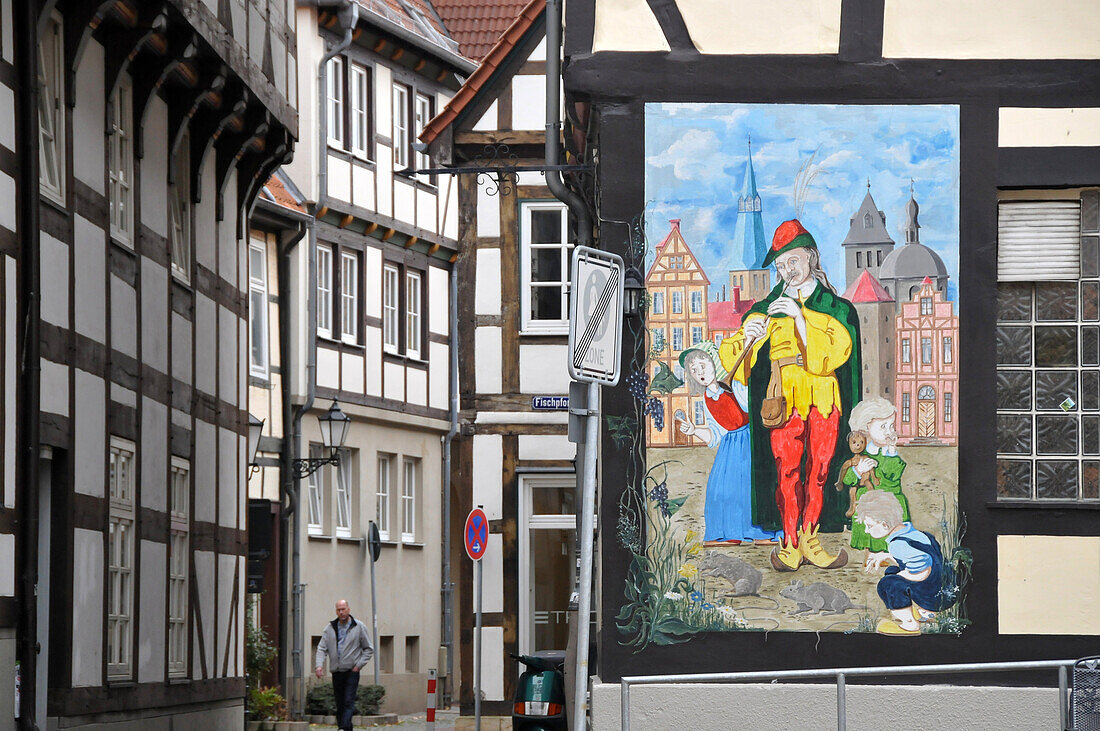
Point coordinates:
[(765, 480)]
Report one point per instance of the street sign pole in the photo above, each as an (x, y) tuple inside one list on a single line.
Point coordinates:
[(374, 547), (475, 538), (477, 649), (584, 594)]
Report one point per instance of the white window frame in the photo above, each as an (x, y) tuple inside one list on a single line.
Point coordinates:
[(422, 114), (926, 354), (383, 492), (120, 560), (529, 522), (926, 307), (677, 339), (349, 297), (51, 110), (337, 135), (906, 407), (696, 334), (324, 291), (120, 143), (564, 246), (400, 126), (658, 305), (410, 476), (179, 210), (948, 407), (413, 320), (359, 91), (257, 310), (948, 343), (696, 302), (342, 498), (906, 350), (179, 566), (391, 308), (677, 302), (315, 525)]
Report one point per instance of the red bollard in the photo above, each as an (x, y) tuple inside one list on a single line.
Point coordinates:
[(431, 699)]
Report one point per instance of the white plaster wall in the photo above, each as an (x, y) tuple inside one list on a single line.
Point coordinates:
[(339, 178), (487, 359), (1055, 127), (543, 369), (204, 581), (205, 466), (87, 660), (439, 364), (7, 195), (488, 121), (546, 446), (373, 295), (151, 605), (123, 317), (492, 663), (394, 381), (529, 102), (228, 359), (328, 368), (362, 187), (90, 118), (7, 117), (450, 207), (229, 250), (154, 167), (228, 476), (426, 210), (89, 442), (532, 178), (89, 288), (6, 41), (417, 386), (493, 577), (181, 348), (790, 706), (55, 387), (779, 26), (488, 211), (373, 341), (154, 314), (226, 566), (383, 163), (205, 230), (488, 462), (352, 373), (404, 201), (626, 25), (7, 567), (487, 289), (1052, 597), (124, 396), (1039, 29), (9, 378), (55, 260), (154, 454), (439, 302)]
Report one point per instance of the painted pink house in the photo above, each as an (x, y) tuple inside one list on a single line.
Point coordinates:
[(927, 349)]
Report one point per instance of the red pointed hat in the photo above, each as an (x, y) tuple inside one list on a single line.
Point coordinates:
[(790, 235)]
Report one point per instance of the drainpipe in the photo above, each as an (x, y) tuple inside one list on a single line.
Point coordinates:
[(448, 587), (348, 16), (26, 501)]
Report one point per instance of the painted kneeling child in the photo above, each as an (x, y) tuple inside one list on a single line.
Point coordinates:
[(874, 417), (922, 583)]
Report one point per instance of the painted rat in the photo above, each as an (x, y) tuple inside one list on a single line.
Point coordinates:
[(743, 577), (817, 598)]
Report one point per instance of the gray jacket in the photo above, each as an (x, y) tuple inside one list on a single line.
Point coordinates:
[(355, 651)]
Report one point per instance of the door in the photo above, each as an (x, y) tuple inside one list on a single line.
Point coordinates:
[(548, 560), (926, 418)]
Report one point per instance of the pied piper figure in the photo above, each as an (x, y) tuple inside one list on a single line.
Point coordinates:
[(804, 341)]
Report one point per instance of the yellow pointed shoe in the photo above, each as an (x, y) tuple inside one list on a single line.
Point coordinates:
[(922, 615), (811, 549), (786, 557), (890, 627)]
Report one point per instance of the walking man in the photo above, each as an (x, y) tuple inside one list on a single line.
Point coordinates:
[(347, 645)]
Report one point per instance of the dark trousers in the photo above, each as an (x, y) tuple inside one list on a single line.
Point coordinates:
[(345, 684)]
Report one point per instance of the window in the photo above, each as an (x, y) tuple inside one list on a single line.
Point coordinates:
[(423, 116), (677, 303), (336, 136), (947, 406), (178, 566), (412, 315), (51, 111), (316, 525), (400, 126), (120, 561), (905, 407), (948, 357), (382, 496), (359, 92), (926, 393), (324, 291), (718, 339), (179, 210), (867, 221), (258, 360), (121, 156), (859, 260), (878, 258), (926, 305), (926, 350), (905, 356), (349, 296), (696, 335), (659, 339), (700, 416), (408, 500), (412, 654), (544, 237), (390, 295), (341, 477), (658, 306), (676, 262), (696, 302), (1048, 354), (677, 339)]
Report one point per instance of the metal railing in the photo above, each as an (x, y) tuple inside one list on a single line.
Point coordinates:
[(840, 675)]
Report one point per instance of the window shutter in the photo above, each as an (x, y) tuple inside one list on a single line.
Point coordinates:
[(1038, 241)]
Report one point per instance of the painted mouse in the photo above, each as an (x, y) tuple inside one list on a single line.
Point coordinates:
[(818, 597), (743, 577)]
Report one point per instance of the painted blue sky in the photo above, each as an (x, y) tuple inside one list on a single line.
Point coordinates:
[(695, 164)]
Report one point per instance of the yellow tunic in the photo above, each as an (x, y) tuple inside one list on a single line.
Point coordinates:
[(828, 346)]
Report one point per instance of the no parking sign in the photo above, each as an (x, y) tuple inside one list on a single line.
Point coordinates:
[(475, 536)]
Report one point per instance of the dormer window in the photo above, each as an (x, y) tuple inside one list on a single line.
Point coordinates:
[(867, 220)]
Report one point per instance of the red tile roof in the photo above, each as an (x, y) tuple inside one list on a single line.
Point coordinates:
[(479, 78), (394, 11), (275, 191), (477, 24), (727, 315), (867, 289)]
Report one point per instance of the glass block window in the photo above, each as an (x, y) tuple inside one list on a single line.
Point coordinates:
[(1048, 379)]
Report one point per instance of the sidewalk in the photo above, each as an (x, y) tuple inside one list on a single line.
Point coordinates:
[(444, 721)]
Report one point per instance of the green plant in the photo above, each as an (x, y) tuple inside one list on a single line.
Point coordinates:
[(321, 700), (265, 704), (259, 653)]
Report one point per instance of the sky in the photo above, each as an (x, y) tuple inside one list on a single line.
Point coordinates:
[(696, 156)]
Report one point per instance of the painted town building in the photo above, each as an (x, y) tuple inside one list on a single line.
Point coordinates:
[(993, 117), (371, 293), (868, 243), (140, 135), (753, 284), (877, 334)]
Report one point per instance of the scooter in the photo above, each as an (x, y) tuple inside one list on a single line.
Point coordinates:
[(539, 703)]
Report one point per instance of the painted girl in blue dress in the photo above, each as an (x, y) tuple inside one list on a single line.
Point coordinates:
[(727, 512)]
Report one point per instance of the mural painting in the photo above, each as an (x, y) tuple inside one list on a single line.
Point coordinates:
[(796, 408)]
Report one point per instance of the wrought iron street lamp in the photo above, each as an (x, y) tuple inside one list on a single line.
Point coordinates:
[(633, 292), (255, 429), (334, 425)]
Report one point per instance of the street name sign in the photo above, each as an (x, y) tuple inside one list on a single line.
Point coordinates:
[(475, 536), (595, 316), (549, 403)]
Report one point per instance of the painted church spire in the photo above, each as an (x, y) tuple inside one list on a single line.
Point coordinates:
[(749, 231)]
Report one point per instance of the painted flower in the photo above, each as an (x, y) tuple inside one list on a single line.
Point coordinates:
[(674, 596), (689, 536), (696, 596), (688, 571), (707, 605), (694, 549)]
